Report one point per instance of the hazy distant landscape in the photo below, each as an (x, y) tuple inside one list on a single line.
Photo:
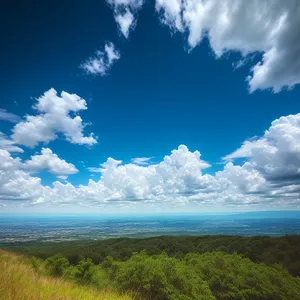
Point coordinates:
[(15, 229)]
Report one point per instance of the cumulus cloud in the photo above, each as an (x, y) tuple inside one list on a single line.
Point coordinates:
[(276, 155), (54, 116), (48, 160), (101, 63), (268, 176), (8, 144), (175, 175), (16, 184), (269, 27), (125, 12), (7, 116)]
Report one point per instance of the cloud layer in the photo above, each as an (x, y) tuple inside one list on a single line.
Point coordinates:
[(267, 177)]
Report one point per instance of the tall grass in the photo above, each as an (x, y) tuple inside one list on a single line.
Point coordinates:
[(19, 281)]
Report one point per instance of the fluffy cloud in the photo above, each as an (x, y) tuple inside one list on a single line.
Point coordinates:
[(48, 160), (269, 27), (7, 144), (125, 13), (7, 116), (276, 155), (102, 61), (170, 13), (176, 175), (268, 176), (54, 116), (16, 184)]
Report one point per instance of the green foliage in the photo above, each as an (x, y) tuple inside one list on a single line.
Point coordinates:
[(36, 263), (282, 250), (86, 273), (57, 265), (19, 281), (212, 275), (215, 275), (181, 268), (160, 277), (235, 277)]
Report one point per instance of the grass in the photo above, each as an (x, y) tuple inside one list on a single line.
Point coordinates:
[(19, 281)]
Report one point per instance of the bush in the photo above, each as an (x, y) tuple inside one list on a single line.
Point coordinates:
[(85, 271), (57, 265), (160, 277), (230, 276)]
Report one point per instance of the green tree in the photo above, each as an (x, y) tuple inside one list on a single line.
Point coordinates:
[(85, 271), (160, 277), (231, 276), (57, 265)]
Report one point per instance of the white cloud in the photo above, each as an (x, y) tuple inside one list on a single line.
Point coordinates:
[(125, 22), (170, 13), (16, 184), (177, 173), (48, 160), (53, 117), (101, 63), (276, 155), (269, 27), (94, 170), (245, 151), (7, 144), (125, 13), (7, 116), (268, 178), (141, 160)]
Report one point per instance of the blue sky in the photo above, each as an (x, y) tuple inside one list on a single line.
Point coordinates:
[(165, 87)]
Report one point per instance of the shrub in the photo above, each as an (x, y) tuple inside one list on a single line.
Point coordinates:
[(160, 277), (230, 276), (57, 265)]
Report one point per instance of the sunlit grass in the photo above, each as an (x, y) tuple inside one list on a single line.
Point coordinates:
[(18, 281)]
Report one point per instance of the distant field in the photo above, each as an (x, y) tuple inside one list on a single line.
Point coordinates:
[(14, 229)]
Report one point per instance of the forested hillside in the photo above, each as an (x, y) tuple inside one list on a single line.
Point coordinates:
[(208, 276), (282, 250)]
